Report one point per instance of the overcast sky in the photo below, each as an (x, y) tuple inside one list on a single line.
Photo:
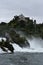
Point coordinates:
[(31, 8)]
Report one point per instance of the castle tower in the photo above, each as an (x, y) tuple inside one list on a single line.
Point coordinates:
[(35, 25)]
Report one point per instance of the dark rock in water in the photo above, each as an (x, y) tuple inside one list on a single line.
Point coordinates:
[(4, 45), (9, 46), (25, 44)]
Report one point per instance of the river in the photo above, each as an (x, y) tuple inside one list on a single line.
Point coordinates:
[(21, 58)]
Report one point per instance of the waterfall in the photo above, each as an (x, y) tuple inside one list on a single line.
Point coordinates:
[(36, 45)]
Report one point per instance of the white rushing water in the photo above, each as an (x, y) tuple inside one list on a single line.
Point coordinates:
[(36, 45)]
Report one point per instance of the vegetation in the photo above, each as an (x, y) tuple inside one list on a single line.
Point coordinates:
[(28, 26)]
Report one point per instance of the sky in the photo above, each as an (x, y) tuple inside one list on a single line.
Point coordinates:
[(30, 8)]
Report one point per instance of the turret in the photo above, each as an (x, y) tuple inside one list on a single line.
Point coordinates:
[(35, 25)]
